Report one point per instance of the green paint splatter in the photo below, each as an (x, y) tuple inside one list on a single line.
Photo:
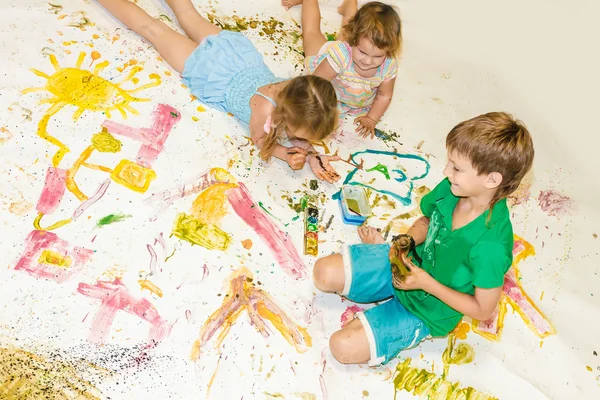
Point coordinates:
[(381, 168), (111, 219), (261, 205), (331, 36)]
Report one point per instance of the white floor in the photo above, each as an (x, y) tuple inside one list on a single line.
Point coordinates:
[(538, 61)]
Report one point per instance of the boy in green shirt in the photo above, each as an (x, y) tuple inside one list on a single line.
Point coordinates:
[(462, 248)]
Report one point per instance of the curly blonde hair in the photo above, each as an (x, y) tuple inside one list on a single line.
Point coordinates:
[(380, 24)]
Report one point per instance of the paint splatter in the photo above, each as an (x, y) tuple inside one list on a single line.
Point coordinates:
[(278, 241), (349, 314), (555, 204), (461, 330), (111, 219), (380, 168), (428, 385), (247, 244), (27, 376), (461, 354), (244, 295), (305, 396), (115, 296), (514, 294)]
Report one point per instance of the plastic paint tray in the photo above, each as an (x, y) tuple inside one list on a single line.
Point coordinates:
[(354, 198), (311, 230)]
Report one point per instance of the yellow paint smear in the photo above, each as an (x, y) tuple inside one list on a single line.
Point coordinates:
[(462, 354), (27, 376), (197, 232), (244, 295), (146, 284), (133, 176), (209, 206), (55, 259), (428, 385)]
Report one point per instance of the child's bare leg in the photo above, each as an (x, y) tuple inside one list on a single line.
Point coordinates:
[(312, 36), (350, 344), (287, 4), (328, 274), (194, 24), (172, 46), (370, 235), (348, 9)]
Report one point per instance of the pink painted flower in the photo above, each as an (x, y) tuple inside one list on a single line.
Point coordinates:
[(349, 314)]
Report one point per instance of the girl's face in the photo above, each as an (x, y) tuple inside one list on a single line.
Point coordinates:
[(298, 134), (366, 56)]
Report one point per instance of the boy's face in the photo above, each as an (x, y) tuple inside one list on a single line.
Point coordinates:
[(464, 179)]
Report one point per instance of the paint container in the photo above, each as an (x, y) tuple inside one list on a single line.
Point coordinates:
[(354, 205), (311, 230)]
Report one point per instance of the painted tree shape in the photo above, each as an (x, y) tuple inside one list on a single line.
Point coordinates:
[(244, 295)]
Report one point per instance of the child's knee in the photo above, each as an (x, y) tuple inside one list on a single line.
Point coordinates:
[(341, 347), (325, 275)]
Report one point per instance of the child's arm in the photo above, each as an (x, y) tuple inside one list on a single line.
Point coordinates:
[(325, 71), (366, 123), (481, 306)]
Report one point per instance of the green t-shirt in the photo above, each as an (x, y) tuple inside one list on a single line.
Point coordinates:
[(476, 255)]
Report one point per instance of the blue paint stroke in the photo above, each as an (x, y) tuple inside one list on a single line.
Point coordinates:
[(404, 200)]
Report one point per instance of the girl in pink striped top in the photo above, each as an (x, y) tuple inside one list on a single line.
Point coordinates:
[(361, 64)]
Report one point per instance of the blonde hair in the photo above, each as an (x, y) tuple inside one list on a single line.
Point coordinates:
[(306, 102), (379, 23), (495, 142)]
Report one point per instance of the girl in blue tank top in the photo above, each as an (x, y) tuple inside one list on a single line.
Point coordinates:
[(226, 72)]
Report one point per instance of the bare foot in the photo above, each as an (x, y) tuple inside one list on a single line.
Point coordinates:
[(348, 7), (287, 4), (370, 235)]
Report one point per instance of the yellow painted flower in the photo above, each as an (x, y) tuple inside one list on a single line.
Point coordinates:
[(461, 330), (104, 142)]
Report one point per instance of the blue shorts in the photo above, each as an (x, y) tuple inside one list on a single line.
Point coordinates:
[(225, 71), (390, 327)]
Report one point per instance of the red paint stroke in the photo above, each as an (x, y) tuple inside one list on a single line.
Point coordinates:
[(38, 241), (278, 241), (162, 200), (54, 189), (554, 203), (89, 202), (153, 138), (153, 258), (349, 314), (115, 296)]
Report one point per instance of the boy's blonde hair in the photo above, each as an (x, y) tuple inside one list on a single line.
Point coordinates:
[(306, 102), (379, 23), (495, 142)]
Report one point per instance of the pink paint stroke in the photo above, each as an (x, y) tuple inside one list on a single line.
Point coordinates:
[(278, 241), (205, 272), (554, 203), (349, 314), (54, 189), (38, 241), (115, 296), (161, 240), (512, 290), (153, 138), (162, 200), (153, 259), (89, 202)]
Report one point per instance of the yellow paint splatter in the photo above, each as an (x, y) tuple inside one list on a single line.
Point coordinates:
[(305, 396), (428, 385), (95, 55), (462, 354), (95, 36), (195, 119), (197, 232), (5, 135), (247, 244), (55, 259), (168, 73), (201, 109), (461, 330), (588, 368), (146, 284), (87, 91), (27, 376), (244, 295)]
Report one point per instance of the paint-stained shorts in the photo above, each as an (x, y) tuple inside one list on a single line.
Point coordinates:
[(390, 327)]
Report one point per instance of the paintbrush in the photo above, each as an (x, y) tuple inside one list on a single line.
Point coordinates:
[(307, 152)]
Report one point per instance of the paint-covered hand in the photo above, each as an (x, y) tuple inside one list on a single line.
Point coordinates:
[(296, 157), (365, 126), (417, 279), (321, 167)]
